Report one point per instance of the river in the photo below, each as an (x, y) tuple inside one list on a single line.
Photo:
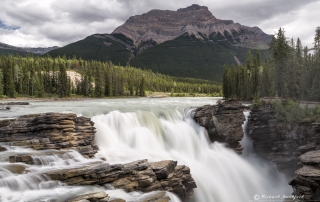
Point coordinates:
[(145, 128)]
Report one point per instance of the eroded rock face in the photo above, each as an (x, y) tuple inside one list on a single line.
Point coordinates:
[(50, 131), (163, 25), (306, 181), (223, 122), (135, 176), (281, 143), (294, 147)]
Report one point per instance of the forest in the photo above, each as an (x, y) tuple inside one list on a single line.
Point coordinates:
[(49, 77), (291, 72)]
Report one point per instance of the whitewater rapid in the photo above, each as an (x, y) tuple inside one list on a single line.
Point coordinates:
[(221, 174), (135, 129)]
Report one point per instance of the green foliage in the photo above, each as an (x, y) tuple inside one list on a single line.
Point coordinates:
[(1, 83), (293, 111), (291, 72), (46, 76), (4, 51), (97, 47), (290, 111)]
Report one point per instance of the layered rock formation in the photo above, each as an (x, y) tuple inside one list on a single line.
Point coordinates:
[(307, 179), (163, 25), (50, 131), (135, 176), (294, 147), (223, 122), (281, 143)]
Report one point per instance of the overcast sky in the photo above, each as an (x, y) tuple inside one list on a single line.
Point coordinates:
[(41, 23)]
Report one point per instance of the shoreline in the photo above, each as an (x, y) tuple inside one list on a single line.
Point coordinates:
[(85, 98)]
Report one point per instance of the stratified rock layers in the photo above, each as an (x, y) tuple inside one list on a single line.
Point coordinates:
[(164, 25), (281, 143), (294, 147), (50, 131), (223, 122), (135, 176)]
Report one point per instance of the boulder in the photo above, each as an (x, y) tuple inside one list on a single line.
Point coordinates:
[(223, 122)]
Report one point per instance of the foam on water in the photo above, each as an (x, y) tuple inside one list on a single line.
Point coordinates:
[(221, 174)]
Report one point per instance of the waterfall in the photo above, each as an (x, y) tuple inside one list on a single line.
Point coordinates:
[(221, 174), (160, 131)]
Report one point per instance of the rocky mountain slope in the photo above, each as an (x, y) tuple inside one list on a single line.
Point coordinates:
[(189, 42), (164, 25)]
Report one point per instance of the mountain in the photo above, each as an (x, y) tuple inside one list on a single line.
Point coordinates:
[(164, 25), (8, 49), (189, 42)]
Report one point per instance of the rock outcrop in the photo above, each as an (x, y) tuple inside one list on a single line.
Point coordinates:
[(135, 176), (281, 143), (307, 179), (294, 147), (50, 131), (163, 25), (223, 122)]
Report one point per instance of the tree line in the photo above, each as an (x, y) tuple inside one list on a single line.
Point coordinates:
[(291, 72), (47, 76)]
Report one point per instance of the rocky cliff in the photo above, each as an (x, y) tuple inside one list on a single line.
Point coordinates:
[(223, 122), (164, 25), (281, 143), (294, 147), (306, 182)]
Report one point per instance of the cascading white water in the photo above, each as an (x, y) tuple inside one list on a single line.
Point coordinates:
[(20, 182), (221, 174), (276, 180), (159, 131)]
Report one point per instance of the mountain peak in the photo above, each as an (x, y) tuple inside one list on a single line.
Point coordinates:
[(193, 7), (162, 25)]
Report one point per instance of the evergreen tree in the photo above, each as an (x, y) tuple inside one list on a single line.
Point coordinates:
[(142, 90), (1, 83)]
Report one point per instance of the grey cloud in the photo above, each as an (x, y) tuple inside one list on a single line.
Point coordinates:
[(70, 20), (83, 11), (30, 14), (254, 12)]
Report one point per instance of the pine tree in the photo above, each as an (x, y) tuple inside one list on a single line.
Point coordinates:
[(142, 90), (1, 83)]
